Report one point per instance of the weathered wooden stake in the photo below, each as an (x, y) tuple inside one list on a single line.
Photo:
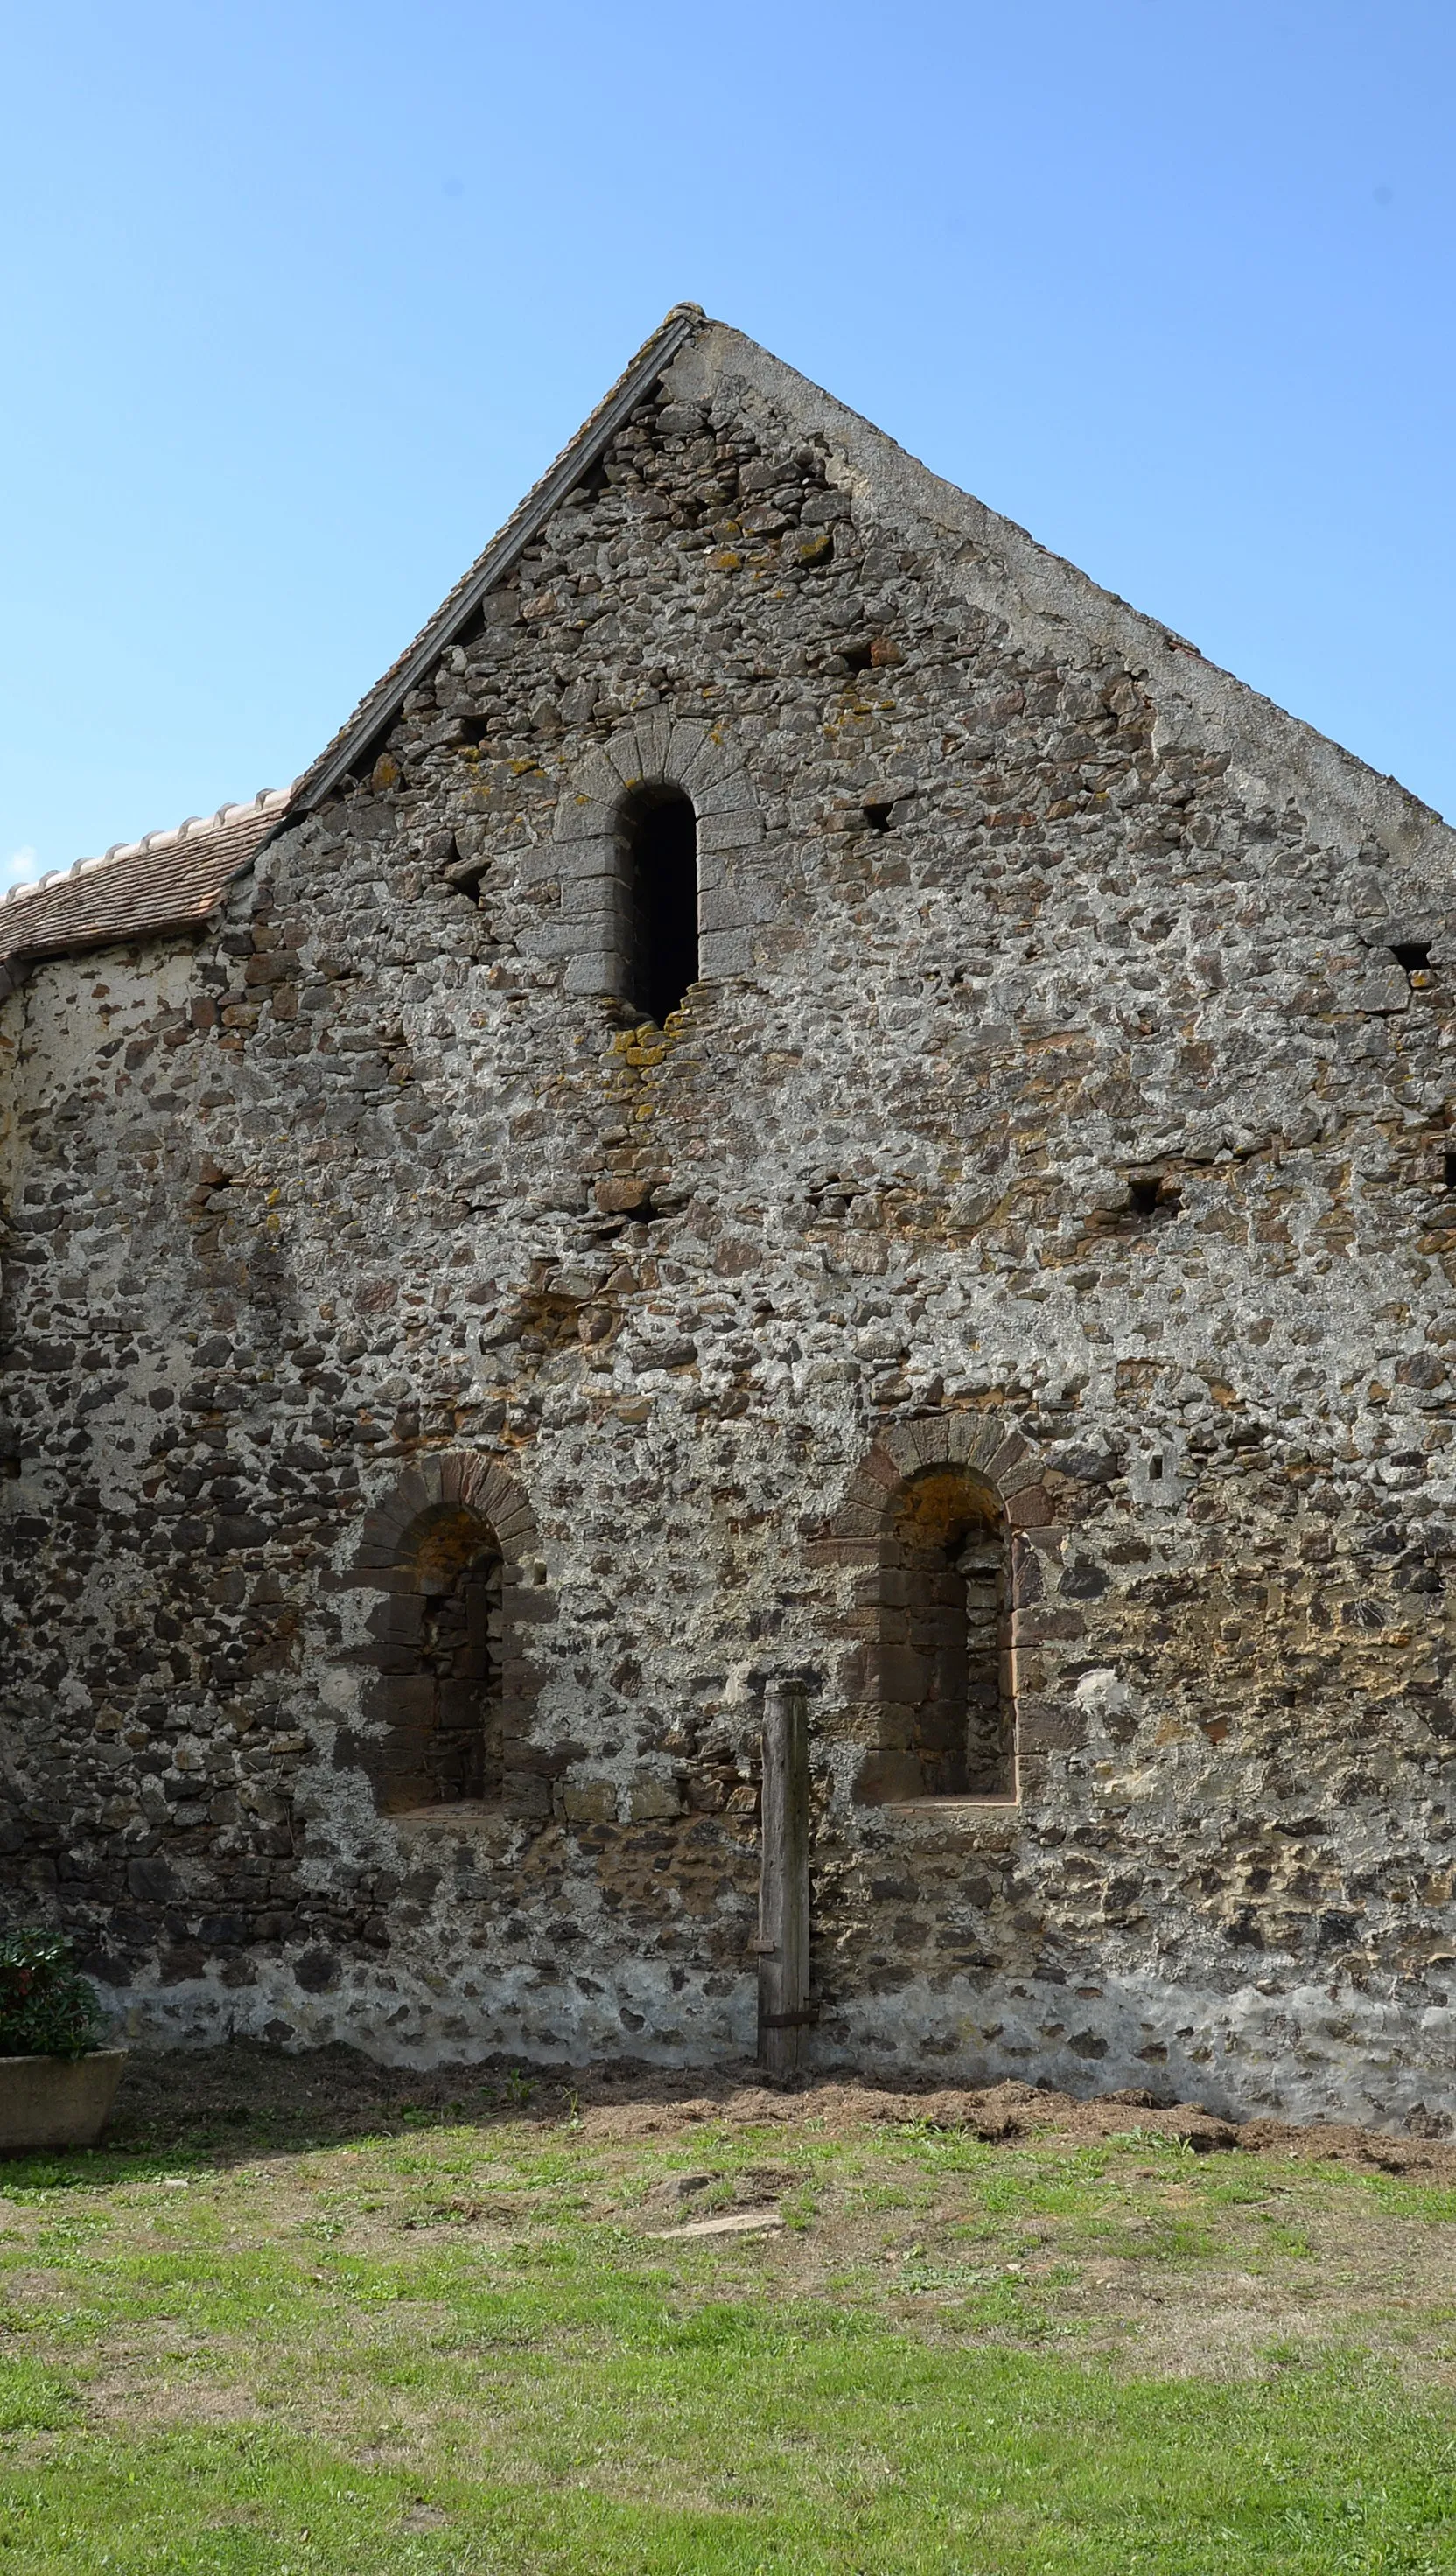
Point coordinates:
[(783, 1887)]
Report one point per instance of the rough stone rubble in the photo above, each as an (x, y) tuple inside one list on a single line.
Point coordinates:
[(1064, 1104)]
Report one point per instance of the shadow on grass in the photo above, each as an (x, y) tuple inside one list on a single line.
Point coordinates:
[(210, 2109)]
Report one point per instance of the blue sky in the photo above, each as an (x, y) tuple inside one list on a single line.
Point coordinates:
[(299, 298)]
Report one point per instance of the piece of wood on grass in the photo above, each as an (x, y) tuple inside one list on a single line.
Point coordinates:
[(738, 2222)]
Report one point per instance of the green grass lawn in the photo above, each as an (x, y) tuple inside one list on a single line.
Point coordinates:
[(464, 2342)]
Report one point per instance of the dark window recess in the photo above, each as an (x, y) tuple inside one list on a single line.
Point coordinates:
[(947, 1713), (1155, 1470), (878, 817), (1144, 1196), (660, 832), (857, 657), (473, 729), (1449, 1168), (1412, 954), (440, 1692)]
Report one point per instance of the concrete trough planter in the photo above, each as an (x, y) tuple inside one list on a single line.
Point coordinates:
[(56, 2101)]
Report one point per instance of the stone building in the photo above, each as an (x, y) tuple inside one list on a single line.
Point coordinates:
[(800, 1091)]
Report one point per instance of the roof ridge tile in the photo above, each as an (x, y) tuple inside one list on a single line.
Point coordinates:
[(268, 800)]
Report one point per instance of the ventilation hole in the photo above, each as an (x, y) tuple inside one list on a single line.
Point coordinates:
[(1144, 1196), (878, 817), (592, 484), (1412, 954), (857, 657), (1155, 1470), (1449, 1168), (473, 729)]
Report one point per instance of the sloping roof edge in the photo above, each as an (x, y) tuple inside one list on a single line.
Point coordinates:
[(998, 564), (989, 557), (166, 881), (379, 706)]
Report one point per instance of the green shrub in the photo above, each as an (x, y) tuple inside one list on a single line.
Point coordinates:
[(47, 2008)]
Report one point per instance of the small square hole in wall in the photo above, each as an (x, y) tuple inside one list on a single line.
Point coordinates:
[(1448, 1167), (462, 875), (878, 817), (857, 657), (1412, 954), (1144, 1196)]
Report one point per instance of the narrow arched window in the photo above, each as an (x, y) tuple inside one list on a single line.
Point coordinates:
[(440, 1695), (946, 1689), (659, 837)]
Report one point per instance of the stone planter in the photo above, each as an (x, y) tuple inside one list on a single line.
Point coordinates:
[(56, 2101)]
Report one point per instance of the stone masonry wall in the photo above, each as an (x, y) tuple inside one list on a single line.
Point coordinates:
[(1055, 1103)]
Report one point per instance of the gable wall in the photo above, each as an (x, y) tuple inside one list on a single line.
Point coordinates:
[(376, 1181)]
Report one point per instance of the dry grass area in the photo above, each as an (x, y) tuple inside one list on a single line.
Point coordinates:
[(308, 2314)]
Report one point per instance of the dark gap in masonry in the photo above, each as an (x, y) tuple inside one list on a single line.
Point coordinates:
[(878, 817), (1143, 1196), (1449, 1166), (858, 657), (662, 888), (1412, 954), (465, 876)]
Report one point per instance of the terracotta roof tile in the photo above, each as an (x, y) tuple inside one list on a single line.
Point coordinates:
[(160, 883), (172, 878)]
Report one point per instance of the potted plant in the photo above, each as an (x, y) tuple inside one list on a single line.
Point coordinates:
[(56, 2085)]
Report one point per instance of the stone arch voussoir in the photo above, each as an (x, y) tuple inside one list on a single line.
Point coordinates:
[(656, 749), (992, 1447), (385, 1562)]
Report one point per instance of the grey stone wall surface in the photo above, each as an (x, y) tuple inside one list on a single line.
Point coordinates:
[(1053, 1101)]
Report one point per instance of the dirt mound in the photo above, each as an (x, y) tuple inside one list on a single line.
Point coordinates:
[(247, 2096)]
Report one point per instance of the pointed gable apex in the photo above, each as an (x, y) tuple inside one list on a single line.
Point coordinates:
[(988, 560), (380, 705)]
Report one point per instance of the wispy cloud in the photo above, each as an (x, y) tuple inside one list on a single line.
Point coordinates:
[(20, 867)]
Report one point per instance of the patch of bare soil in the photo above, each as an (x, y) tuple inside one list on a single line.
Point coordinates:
[(246, 2096)]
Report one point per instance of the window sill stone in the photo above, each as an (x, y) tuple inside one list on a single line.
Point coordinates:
[(952, 1806), (466, 1816)]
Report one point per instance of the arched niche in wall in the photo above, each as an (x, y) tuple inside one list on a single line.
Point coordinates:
[(948, 1521), (946, 1687), (621, 833), (657, 827), (448, 1706)]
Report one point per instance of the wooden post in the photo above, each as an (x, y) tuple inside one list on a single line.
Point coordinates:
[(783, 1888)]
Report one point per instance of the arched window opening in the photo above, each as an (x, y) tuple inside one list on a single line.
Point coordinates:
[(947, 1711), (442, 1700), (660, 850)]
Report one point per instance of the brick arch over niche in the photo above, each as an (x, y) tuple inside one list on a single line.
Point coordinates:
[(656, 751), (448, 1710), (950, 1521)]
